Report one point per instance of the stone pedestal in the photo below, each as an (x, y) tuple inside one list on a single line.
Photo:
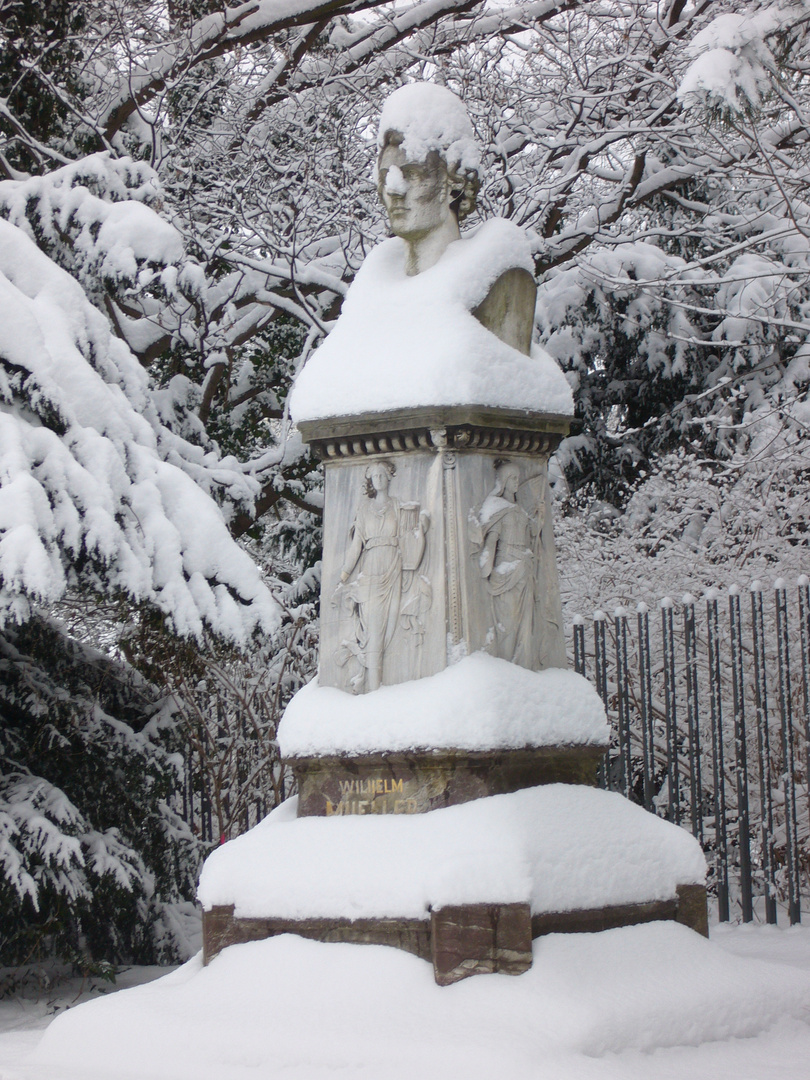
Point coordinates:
[(469, 939), (438, 545), (480, 939), (461, 559), (414, 783)]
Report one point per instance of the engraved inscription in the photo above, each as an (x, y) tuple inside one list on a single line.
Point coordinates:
[(376, 795)]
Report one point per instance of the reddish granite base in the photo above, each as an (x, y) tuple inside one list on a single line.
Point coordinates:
[(418, 781), (460, 941)]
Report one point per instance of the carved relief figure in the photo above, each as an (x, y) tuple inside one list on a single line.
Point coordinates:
[(506, 540), (377, 587)]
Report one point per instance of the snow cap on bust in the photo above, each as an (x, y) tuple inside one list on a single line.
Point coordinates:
[(431, 117)]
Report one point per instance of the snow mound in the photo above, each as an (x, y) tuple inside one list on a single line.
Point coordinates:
[(430, 117), (402, 342), (308, 1011), (559, 847), (480, 703)]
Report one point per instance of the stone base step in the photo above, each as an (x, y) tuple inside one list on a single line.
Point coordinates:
[(461, 940)]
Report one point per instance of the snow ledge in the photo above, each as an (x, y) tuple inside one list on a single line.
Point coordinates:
[(480, 703)]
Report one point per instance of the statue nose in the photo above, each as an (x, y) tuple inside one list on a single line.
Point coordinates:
[(395, 182)]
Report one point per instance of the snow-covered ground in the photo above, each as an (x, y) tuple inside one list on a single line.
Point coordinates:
[(645, 1001)]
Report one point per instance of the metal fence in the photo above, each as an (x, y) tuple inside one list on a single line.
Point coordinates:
[(709, 703)]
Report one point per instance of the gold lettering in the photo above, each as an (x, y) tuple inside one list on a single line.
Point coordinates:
[(345, 786), (380, 789), (399, 806), (397, 786)]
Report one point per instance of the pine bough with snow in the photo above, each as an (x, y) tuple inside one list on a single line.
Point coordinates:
[(99, 495)]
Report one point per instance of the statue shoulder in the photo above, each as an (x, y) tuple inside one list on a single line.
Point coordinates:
[(507, 310)]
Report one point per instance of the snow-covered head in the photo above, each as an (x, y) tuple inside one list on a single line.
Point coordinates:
[(507, 478), (430, 127)]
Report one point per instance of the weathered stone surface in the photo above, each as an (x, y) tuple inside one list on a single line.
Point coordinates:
[(689, 908), (693, 908), (476, 939), (431, 553), (508, 310), (418, 782), (464, 940), (593, 920), (221, 929), (460, 427)]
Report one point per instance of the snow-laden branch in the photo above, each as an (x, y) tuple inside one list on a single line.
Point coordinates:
[(221, 33)]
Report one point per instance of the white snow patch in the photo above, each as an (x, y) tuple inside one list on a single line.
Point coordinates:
[(558, 847), (733, 62), (402, 342), (430, 117), (479, 703), (308, 1011)]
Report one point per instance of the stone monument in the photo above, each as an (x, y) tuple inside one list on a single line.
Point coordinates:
[(442, 675)]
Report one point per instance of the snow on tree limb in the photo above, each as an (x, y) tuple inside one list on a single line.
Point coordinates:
[(219, 34), (92, 487)]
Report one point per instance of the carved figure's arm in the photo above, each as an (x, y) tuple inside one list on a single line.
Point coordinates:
[(353, 554), (486, 558)]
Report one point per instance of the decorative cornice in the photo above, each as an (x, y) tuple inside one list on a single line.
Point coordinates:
[(436, 430)]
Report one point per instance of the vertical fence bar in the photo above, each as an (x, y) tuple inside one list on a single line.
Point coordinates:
[(763, 752), (741, 755), (579, 645), (668, 646), (623, 688), (715, 696), (600, 665), (185, 784), (645, 694), (693, 716), (789, 774), (804, 625), (189, 787)]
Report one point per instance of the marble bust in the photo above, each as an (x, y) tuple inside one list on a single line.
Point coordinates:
[(433, 317), (428, 190)]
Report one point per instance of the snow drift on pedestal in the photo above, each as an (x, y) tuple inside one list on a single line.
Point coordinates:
[(559, 847), (303, 1010), (479, 703)]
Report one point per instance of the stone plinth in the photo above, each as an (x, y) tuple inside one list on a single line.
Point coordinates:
[(414, 783), (438, 542), (465, 940), (480, 939)]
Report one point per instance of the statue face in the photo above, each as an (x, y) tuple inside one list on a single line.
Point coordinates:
[(416, 195), (509, 477), (378, 477)]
